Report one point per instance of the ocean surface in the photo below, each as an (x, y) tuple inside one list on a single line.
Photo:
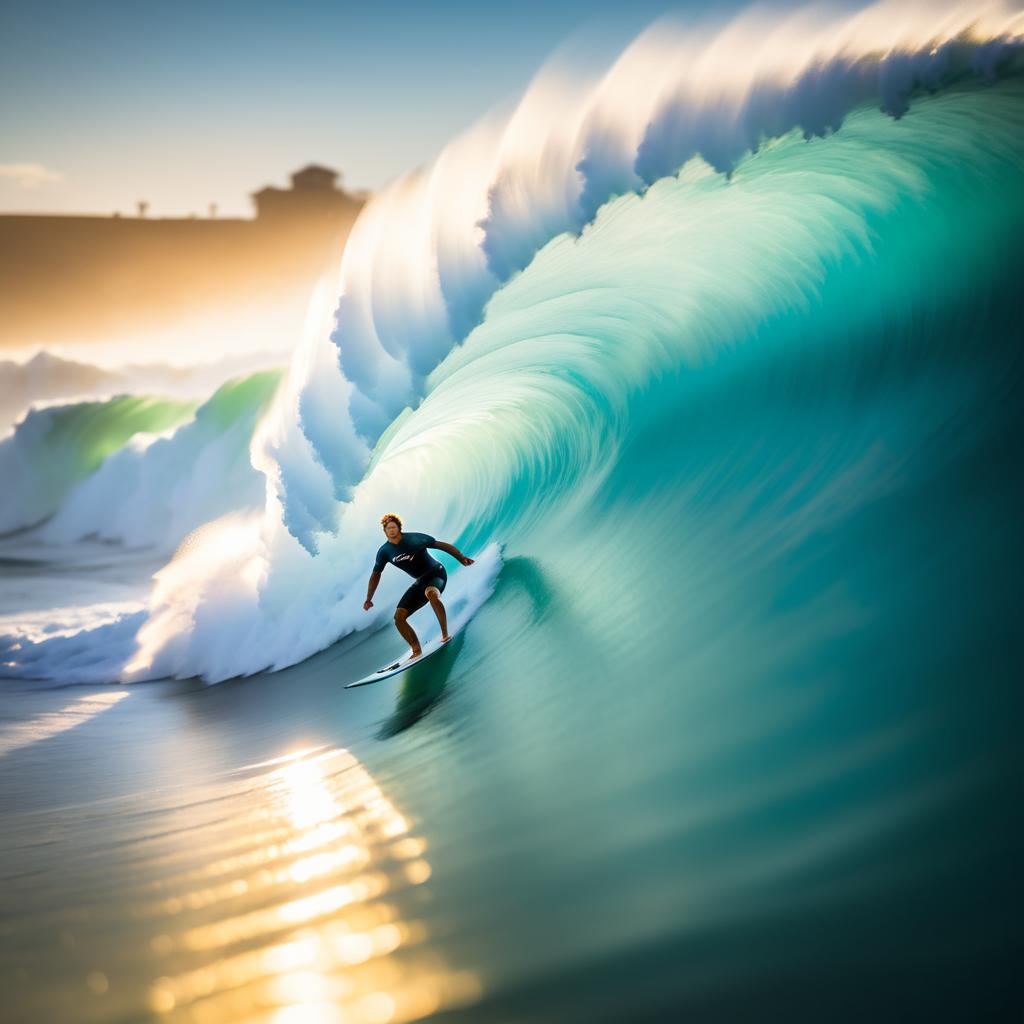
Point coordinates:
[(715, 365)]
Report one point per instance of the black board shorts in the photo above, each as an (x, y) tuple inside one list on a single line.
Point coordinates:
[(415, 597)]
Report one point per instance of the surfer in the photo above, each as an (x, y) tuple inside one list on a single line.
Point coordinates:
[(408, 551)]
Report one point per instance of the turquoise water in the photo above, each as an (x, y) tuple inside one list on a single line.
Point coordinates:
[(54, 449), (736, 735), (99, 467)]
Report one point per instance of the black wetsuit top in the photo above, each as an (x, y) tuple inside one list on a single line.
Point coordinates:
[(409, 555)]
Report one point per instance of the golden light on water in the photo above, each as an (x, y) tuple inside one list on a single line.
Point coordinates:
[(307, 924)]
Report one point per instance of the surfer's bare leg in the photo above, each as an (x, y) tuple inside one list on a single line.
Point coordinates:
[(433, 595), (408, 633)]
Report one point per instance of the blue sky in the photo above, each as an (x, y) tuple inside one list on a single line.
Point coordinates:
[(183, 103)]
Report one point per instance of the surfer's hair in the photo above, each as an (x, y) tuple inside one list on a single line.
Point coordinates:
[(390, 517)]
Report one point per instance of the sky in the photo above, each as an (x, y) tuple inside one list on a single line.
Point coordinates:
[(184, 104)]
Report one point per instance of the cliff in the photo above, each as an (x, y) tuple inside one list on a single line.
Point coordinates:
[(80, 278)]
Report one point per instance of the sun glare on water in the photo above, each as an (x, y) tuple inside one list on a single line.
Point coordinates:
[(298, 915)]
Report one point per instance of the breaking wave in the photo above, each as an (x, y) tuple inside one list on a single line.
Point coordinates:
[(744, 293), (140, 470)]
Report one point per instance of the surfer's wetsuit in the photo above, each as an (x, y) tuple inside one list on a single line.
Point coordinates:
[(410, 555)]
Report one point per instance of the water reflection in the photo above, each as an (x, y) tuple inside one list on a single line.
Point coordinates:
[(310, 921), (42, 727)]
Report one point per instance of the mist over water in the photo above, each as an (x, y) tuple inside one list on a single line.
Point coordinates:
[(725, 388)]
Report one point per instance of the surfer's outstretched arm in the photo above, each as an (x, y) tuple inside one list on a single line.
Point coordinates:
[(451, 550), (370, 588)]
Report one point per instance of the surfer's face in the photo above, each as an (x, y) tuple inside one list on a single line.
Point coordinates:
[(391, 531)]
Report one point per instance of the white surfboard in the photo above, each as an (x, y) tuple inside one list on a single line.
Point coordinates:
[(400, 666)]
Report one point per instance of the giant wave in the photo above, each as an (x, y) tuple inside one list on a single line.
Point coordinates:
[(622, 310)]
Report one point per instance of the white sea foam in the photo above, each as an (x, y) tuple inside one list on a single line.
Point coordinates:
[(139, 470)]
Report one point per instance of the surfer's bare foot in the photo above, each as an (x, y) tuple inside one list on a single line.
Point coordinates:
[(414, 654), (445, 639)]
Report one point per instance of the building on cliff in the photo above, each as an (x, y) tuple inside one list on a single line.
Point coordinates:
[(314, 195), (66, 279)]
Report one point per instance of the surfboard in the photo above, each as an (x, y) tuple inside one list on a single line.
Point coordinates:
[(400, 666)]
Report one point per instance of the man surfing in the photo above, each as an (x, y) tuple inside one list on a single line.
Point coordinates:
[(408, 551)]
